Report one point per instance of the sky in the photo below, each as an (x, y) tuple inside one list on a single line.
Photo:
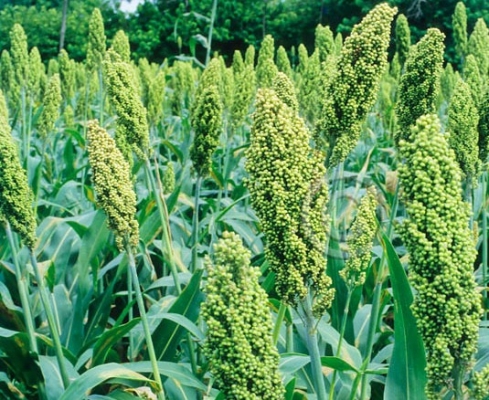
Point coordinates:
[(130, 5)]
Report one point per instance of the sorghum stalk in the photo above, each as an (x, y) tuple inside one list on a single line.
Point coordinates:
[(242, 356), (211, 31), (112, 181), (50, 315), (376, 302), (360, 242)]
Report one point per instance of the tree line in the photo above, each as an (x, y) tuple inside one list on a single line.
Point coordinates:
[(162, 29)]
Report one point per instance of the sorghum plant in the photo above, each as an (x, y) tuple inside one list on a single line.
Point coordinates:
[(403, 38), (239, 338), (441, 256), (419, 84), (353, 88)]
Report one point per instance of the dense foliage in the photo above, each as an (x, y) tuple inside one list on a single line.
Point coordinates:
[(275, 225)]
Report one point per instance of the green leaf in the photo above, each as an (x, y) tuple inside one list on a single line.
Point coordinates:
[(183, 322), (93, 241), (109, 338), (171, 370), (291, 362), (167, 334), (52, 376), (337, 364), (18, 358), (407, 377), (98, 375), (289, 389)]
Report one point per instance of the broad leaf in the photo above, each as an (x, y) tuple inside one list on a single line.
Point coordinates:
[(407, 377)]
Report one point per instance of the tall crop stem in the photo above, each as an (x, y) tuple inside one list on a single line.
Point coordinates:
[(375, 314), (144, 320), (313, 348), (48, 309)]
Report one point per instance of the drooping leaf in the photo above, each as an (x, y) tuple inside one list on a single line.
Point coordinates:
[(168, 334), (406, 378), (109, 338), (98, 375)]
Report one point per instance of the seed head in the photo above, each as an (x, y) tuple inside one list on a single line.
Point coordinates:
[(113, 185), (15, 194), (239, 340)]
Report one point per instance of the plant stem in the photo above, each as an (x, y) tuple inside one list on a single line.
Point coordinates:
[(22, 285), (313, 348), (374, 315), (167, 248), (211, 29), (290, 338), (458, 380), (278, 322), (20, 276), (340, 342), (165, 225), (39, 177), (144, 320), (101, 96), (484, 238), (195, 226), (130, 315), (51, 320)]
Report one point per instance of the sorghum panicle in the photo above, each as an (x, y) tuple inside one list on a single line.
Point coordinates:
[(473, 78), (441, 253), (324, 42), (132, 124), (360, 240), (285, 91), (51, 103), (15, 194), (289, 195), (266, 68), (462, 125), (419, 84), (283, 62), (403, 38), (206, 119), (96, 41), (120, 44), (113, 185), (352, 90), (459, 23), (479, 46), (239, 340)]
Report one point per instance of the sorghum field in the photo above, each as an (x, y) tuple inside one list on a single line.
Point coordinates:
[(279, 225)]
